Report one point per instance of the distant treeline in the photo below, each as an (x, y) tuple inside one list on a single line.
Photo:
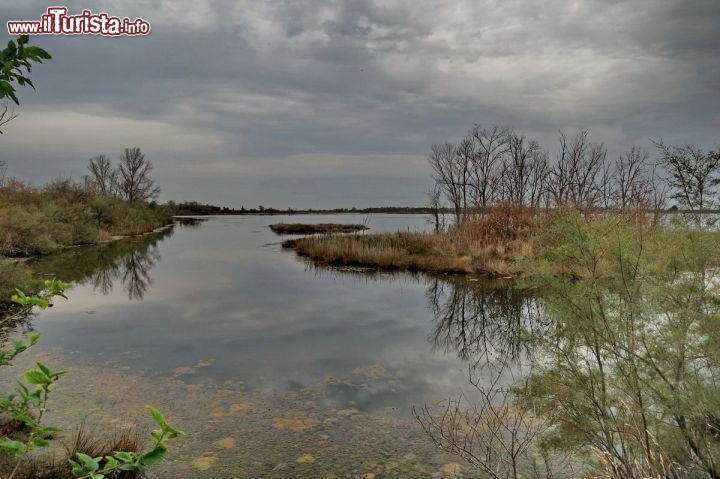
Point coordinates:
[(195, 208)]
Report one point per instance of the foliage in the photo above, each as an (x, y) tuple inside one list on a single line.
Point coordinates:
[(62, 213), (15, 62), (26, 405), (629, 372), (87, 467)]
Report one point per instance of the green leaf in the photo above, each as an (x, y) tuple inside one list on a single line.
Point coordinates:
[(124, 456), (47, 431), (170, 431), (110, 464), (15, 448), (49, 372), (44, 369), (34, 376), (34, 337), (40, 442), (25, 419), (77, 469), (154, 456), (89, 463), (157, 416)]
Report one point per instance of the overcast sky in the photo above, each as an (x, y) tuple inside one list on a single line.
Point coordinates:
[(322, 103)]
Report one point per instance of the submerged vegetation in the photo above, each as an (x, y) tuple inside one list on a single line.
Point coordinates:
[(316, 228), (22, 431)]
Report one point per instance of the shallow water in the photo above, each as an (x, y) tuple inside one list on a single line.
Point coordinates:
[(263, 357)]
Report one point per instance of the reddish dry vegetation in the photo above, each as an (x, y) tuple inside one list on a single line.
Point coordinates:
[(489, 245), (319, 228)]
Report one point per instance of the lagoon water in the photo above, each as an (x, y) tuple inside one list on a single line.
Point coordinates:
[(264, 358)]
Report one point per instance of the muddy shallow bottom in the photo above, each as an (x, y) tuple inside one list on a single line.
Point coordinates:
[(236, 432)]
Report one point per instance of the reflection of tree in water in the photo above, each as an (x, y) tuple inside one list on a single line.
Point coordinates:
[(136, 268), (190, 223), (482, 320), (127, 261), (490, 325)]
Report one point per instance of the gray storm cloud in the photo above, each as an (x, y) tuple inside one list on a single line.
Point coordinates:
[(336, 103)]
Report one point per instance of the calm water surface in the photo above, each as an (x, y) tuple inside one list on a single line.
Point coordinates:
[(263, 357)]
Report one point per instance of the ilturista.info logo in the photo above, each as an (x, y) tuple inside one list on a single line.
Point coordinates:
[(56, 21)]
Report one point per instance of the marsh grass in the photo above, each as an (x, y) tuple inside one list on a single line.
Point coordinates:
[(317, 228), (487, 245), (498, 244)]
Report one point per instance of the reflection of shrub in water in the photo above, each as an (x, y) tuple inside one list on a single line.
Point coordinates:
[(488, 324), (482, 320), (128, 261)]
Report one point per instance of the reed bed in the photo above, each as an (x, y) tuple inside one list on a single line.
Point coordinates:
[(317, 228)]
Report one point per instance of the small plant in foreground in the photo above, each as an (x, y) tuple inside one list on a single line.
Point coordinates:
[(87, 467), (26, 405)]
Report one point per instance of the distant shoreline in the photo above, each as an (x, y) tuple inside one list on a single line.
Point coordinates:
[(206, 210)]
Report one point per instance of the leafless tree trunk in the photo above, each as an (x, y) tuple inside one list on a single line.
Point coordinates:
[(435, 205), (448, 176), (135, 182), (103, 176), (632, 177), (658, 194), (491, 150), (574, 177), (537, 186), (522, 160), (464, 156)]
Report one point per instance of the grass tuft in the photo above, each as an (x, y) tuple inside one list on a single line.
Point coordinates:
[(318, 228)]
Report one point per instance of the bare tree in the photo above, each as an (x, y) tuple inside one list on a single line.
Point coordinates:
[(449, 176), (487, 164), (658, 193), (103, 177), (464, 156), (693, 175), (135, 183), (574, 177), (561, 174), (632, 185), (524, 157), (538, 181), (435, 204)]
